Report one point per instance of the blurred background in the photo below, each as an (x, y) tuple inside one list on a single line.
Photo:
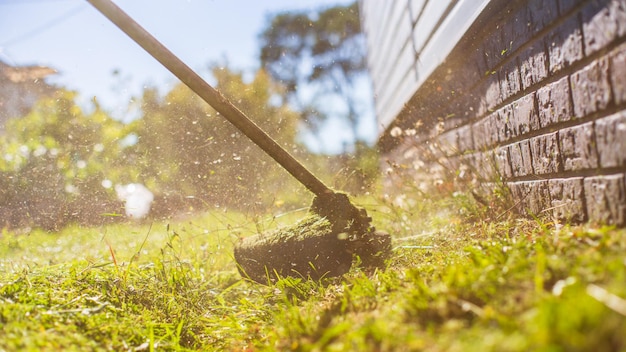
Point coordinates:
[(92, 128)]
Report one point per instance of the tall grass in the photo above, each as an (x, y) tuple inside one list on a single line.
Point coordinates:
[(458, 279)]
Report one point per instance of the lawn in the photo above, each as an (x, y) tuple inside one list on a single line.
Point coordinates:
[(458, 280)]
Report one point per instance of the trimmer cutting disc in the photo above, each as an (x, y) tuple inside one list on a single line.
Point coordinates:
[(308, 249), (314, 248)]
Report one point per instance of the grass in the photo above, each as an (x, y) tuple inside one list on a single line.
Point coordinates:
[(451, 285)]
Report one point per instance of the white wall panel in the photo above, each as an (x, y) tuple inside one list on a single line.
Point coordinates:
[(425, 26), (416, 7), (406, 41)]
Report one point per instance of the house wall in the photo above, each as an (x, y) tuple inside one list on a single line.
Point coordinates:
[(533, 95), (407, 40)]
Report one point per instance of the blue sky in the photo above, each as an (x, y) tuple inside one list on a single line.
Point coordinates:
[(73, 38)]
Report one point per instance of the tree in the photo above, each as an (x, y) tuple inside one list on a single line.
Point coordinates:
[(319, 57)]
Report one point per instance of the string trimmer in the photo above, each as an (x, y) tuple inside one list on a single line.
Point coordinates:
[(320, 245)]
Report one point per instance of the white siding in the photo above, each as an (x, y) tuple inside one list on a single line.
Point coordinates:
[(406, 41), (431, 16)]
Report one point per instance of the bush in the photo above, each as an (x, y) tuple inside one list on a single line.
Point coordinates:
[(57, 163)]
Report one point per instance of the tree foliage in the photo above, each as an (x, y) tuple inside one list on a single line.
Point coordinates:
[(323, 51), (186, 149), (57, 162)]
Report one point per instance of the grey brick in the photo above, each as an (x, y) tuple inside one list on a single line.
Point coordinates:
[(462, 75), (611, 140), (567, 199), (618, 73), (565, 45), (493, 47), (578, 147), (451, 122), (521, 163), (518, 194), (554, 103), (493, 97), (480, 103), (605, 197), (533, 65), (591, 90), (480, 135), (504, 123), (493, 125), (484, 165), (503, 165), (510, 81), (525, 117), (477, 61), (460, 106), (516, 31), (448, 143), (532, 197), (567, 5), (465, 140), (542, 13), (472, 104), (545, 153), (603, 23)]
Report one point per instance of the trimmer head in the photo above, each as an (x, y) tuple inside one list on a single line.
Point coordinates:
[(324, 244)]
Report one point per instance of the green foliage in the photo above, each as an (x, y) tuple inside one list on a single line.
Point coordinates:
[(324, 51), (59, 163), (57, 157), (329, 38)]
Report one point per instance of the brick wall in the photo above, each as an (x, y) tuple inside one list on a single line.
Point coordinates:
[(534, 95)]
